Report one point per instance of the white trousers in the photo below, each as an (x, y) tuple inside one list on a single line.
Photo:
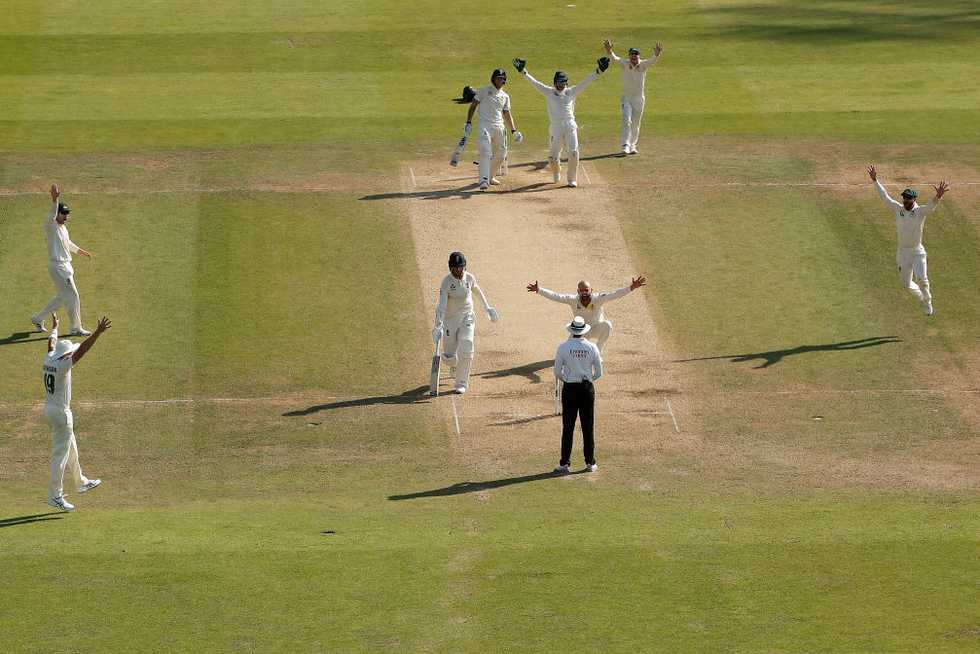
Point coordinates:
[(64, 450), (912, 268), (492, 144), (458, 347), (564, 136), (632, 108), (63, 276), (600, 333)]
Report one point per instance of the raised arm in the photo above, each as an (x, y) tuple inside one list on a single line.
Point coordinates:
[(636, 283), (55, 194), (87, 344), (521, 66), (578, 88), (607, 44), (940, 189), (53, 336), (564, 298), (873, 174)]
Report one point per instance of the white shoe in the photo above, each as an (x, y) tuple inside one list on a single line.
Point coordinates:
[(89, 485), (562, 470), (626, 148), (38, 325), (61, 503), (484, 185), (494, 181), (632, 149), (459, 390), (927, 308), (591, 467), (81, 331), (572, 183)]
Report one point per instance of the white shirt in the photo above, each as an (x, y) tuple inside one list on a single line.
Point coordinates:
[(561, 104), (57, 381), (578, 360), (634, 77), (60, 246), (456, 297), (909, 223), (593, 313), (493, 102)]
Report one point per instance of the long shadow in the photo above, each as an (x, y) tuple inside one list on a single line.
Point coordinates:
[(408, 397), (773, 357), (27, 519), (21, 337), (475, 486), (611, 155), (528, 370), (522, 421), (464, 192)]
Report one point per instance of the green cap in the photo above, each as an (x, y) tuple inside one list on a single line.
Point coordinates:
[(910, 193)]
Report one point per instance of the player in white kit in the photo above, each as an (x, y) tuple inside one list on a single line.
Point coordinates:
[(589, 305), (910, 218), (563, 131), (492, 106), (61, 358), (60, 249), (455, 319), (633, 98)]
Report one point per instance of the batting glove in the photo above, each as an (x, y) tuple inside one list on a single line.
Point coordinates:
[(493, 315), (518, 137), (467, 129), (437, 334)]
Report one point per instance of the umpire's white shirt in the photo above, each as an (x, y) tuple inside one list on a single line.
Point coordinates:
[(57, 382), (561, 104), (456, 298), (593, 313), (578, 360), (493, 102), (60, 246), (908, 222), (634, 77)]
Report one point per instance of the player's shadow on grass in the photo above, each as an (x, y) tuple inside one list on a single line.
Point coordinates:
[(463, 193), (408, 397), (528, 370), (21, 337), (773, 357), (27, 519), (464, 487)]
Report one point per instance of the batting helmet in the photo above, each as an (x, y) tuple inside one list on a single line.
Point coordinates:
[(560, 76), (498, 72), (457, 260), (64, 208)]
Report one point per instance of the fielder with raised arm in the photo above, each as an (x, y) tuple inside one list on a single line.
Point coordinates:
[(58, 363), (563, 131), (910, 218), (60, 249), (455, 319), (633, 98), (492, 106), (589, 305)]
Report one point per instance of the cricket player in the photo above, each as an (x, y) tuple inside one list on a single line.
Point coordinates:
[(563, 131), (455, 319), (589, 305), (910, 218), (60, 249), (61, 358), (492, 106), (578, 364), (633, 99)]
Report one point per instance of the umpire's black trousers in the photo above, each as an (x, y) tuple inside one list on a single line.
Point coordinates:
[(577, 399)]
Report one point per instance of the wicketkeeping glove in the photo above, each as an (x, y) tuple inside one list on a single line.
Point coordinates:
[(437, 334), (518, 137), (603, 64), (467, 128), (519, 64), (493, 315)]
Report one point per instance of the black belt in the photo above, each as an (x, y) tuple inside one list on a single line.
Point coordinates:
[(579, 383)]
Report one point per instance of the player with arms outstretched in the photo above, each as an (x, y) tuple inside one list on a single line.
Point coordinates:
[(634, 98)]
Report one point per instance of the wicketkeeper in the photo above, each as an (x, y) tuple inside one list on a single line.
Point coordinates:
[(455, 319), (492, 106)]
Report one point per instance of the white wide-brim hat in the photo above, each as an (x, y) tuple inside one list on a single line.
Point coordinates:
[(64, 347), (578, 326)]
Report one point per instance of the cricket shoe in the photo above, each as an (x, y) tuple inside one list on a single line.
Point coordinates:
[(61, 503), (927, 308), (591, 467), (89, 485), (563, 469), (484, 185), (38, 325), (572, 183), (626, 148), (494, 181), (81, 331), (632, 149), (459, 390)]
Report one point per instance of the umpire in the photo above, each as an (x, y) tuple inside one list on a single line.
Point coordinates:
[(577, 364)]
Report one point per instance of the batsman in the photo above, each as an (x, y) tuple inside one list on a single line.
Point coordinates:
[(492, 106), (456, 320)]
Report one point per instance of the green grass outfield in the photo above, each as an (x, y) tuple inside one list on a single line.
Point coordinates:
[(214, 154)]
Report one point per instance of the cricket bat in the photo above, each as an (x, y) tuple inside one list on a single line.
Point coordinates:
[(434, 373), (454, 161), (557, 396)]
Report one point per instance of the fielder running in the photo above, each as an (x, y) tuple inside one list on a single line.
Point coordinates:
[(58, 363), (455, 319), (563, 131), (60, 249), (492, 106), (633, 99), (589, 305), (910, 218), (578, 364)]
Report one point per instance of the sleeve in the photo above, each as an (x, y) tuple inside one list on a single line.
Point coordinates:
[(558, 363), (72, 247), (53, 213), (612, 295), (506, 104), (929, 207), (481, 295), (648, 63), (596, 364), (536, 85), (884, 195), (578, 88), (616, 58), (564, 298), (443, 299)]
